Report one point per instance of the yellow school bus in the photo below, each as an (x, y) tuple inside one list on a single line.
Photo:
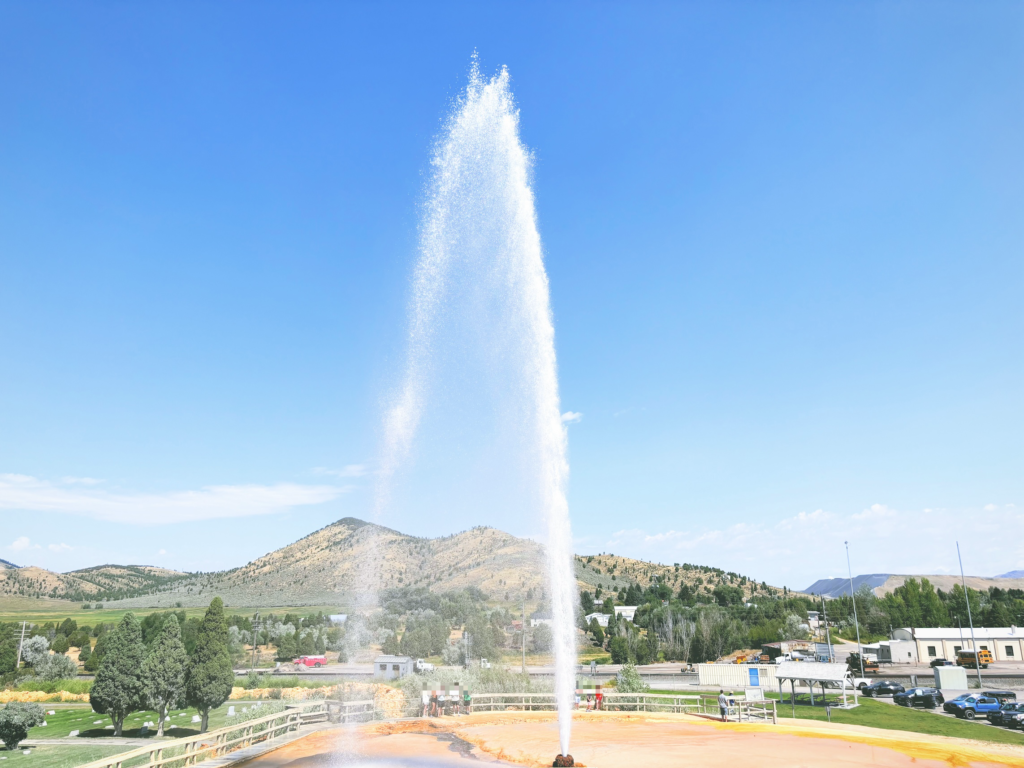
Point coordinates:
[(967, 659)]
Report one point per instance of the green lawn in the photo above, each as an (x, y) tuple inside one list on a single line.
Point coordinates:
[(57, 757), (94, 726), (875, 714), (40, 611)]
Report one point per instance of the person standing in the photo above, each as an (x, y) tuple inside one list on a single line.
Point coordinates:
[(723, 705), (467, 701)]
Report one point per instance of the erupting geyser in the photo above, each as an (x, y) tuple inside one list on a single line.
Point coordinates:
[(481, 262)]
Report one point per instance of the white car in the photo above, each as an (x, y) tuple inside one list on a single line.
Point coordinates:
[(423, 666)]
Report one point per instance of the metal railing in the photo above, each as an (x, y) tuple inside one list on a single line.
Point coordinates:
[(179, 753)]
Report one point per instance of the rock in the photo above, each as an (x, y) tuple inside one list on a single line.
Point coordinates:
[(72, 734)]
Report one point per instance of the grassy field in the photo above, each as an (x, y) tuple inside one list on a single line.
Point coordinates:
[(876, 714), (93, 731), (81, 718), (57, 756), (40, 611)]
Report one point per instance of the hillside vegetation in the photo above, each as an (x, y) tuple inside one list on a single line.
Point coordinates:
[(102, 582), (353, 557)]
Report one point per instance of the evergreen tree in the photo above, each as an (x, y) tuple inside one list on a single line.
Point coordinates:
[(587, 602), (164, 671), (118, 689), (209, 676)]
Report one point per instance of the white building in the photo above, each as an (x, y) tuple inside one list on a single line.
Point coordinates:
[(1004, 643), (625, 611), (622, 611)]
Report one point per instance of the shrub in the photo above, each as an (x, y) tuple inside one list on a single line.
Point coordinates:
[(56, 666), (629, 680), (60, 644), (35, 649), (16, 719), (56, 686)]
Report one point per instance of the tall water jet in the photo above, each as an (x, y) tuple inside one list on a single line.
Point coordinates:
[(481, 274)]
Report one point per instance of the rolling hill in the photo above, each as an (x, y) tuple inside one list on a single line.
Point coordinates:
[(353, 557), (884, 583), (103, 582)]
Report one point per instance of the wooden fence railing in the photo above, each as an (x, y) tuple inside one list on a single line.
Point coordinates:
[(179, 753), (631, 702), (188, 751)]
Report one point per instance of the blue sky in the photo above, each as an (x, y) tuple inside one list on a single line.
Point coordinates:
[(784, 244)]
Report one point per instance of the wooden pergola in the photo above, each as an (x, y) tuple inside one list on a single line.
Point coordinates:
[(812, 672)]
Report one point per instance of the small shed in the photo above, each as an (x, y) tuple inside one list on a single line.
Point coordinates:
[(815, 672), (392, 667)]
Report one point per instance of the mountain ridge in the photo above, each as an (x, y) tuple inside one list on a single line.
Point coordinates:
[(353, 557)]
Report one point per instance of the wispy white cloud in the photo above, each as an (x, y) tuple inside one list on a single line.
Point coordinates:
[(62, 547), (22, 492), (799, 549), (21, 544), (349, 470), (69, 480), (572, 417)]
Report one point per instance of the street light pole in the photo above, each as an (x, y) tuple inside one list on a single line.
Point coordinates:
[(860, 653), (967, 597)]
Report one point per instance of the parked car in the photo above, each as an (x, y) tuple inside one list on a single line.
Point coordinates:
[(1009, 714), (422, 666), (1002, 696), (941, 663), (310, 661), (882, 688), (919, 697), (970, 705)]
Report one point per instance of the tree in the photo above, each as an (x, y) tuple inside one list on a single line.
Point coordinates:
[(84, 653), (67, 627), (587, 602), (15, 720), (542, 638), (78, 639), (630, 681), (598, 633), (119, 688), (164, 671), (619, 648), (208, 675), (794, 629), (35, 649), (96, 657), (60, 644), (56, 666)]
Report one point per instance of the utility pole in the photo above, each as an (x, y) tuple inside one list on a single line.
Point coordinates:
[(20, 644), (860, 652), (967, 597), (524, 635), (828, 637)]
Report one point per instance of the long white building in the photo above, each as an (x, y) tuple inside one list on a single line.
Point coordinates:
[(1004, 643)]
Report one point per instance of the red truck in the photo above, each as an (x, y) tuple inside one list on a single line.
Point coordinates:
[(310, 661)]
